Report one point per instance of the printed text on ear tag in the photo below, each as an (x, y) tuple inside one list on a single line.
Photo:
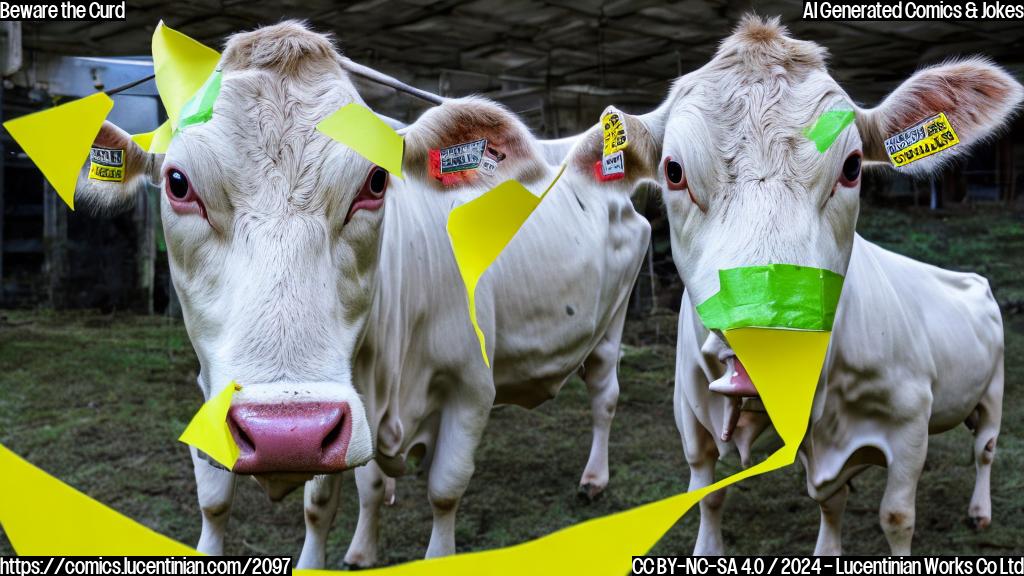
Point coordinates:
[(357, 127), (920, 141)]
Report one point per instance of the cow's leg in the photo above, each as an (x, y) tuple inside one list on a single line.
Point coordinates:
[(702, 473), (463, 420), (986, 434), (362, 551), (701, 455), (601, 373), (830, 533), (216, 490), (320, 499), (897, 513)]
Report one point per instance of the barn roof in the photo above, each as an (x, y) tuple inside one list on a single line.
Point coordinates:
[(548, 59)]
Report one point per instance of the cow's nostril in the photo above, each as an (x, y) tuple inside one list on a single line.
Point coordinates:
[(245, 443), (333, 435)]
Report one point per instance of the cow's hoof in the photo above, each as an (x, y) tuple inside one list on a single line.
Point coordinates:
[(589, 493), (979, 522), (353, 567)]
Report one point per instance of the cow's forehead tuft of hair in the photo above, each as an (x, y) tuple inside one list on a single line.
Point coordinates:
[(284, 48), (759, 46)]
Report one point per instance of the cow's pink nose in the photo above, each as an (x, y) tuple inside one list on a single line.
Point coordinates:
[(291, 437)]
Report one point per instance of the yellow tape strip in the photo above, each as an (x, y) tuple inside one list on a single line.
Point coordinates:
[(481, 228), (357, 127), (209, 432), (58, 140), (43, 516)]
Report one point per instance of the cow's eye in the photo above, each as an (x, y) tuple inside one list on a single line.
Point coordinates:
[(378, 181), (371, 193), (181, 194), (177, 184), (674, 174), (851, 170)]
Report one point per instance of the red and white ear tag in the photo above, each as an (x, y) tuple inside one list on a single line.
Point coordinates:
[(450, 165), (615, 139), (489, 163)]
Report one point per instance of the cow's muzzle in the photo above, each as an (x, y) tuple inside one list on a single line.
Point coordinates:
[(294, 437)]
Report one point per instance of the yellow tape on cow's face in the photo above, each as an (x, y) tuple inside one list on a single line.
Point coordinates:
[(43, 516), (181, 65), (357, 127), (208, 431), (481, 228), (58, 140)]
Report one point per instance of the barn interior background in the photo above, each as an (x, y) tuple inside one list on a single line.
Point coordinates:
[(556, 63)]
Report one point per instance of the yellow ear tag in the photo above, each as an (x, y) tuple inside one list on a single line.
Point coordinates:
[(357, 127), (481, 228), (58, 140), (208, 431)]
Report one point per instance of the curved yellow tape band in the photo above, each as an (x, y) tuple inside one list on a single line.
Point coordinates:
[(58, 140), (481, 228), (209, 432), (43, 516)]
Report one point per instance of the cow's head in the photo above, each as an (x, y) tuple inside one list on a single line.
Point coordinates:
[(744, 186), (272, 232)]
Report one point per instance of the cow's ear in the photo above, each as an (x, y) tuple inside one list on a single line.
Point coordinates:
[(639, 159), (116, 167), (458, 126), (976, 96)]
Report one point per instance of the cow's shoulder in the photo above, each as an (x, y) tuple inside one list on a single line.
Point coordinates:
[(468, 120)]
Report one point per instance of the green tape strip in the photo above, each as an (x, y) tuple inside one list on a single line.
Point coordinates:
[(828, 127), (199, 107), (773, 296)]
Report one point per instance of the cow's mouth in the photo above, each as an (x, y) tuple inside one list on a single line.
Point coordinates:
[(279, 485), (736, 381)]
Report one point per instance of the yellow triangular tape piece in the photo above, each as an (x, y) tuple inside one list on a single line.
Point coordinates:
[(144, 140), (481, 228), (784, 366), (208, 431), (156, 141), (58, 140), (181, 66), (357, 127), (43, 516)]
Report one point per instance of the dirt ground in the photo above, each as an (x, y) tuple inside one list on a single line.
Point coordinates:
[(98, 400)]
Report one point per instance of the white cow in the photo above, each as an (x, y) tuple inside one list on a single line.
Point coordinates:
[(916, 349), (330, 292)]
